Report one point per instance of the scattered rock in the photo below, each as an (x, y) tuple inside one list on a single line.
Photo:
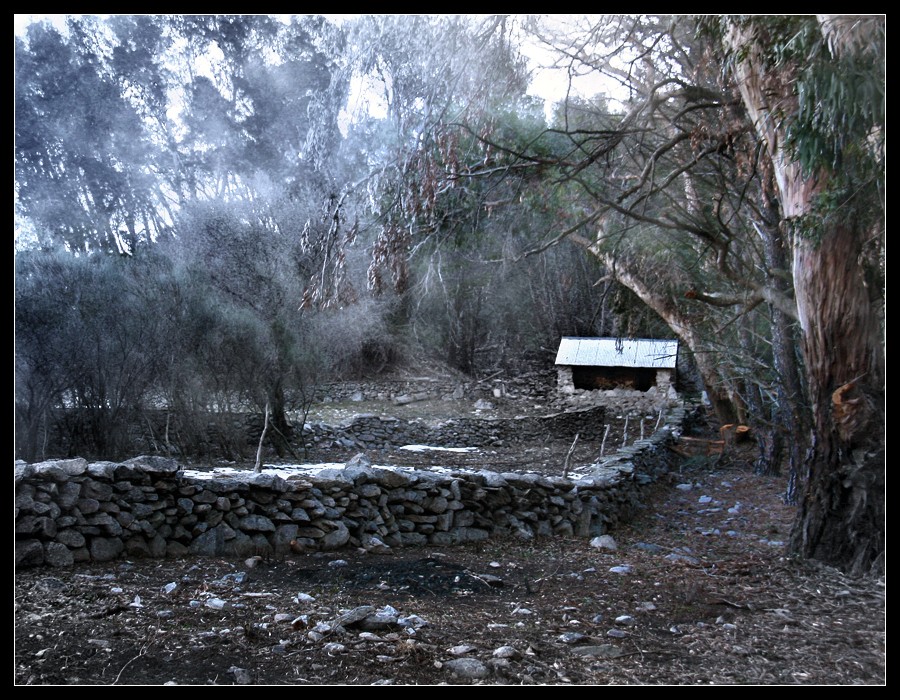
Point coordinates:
[(461, 649), (506, 652), (412, 622), (675, 556), (469, 669), (604, 542), (572, 637), (241, 675), (374, 545), (354, 616), (359, 460), (603, 651), (384, 619), (649, 548)]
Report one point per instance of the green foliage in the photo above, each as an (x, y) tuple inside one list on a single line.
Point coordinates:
[(836, 133), (841, 104), (839, 85), (79, 144), (847, 199)]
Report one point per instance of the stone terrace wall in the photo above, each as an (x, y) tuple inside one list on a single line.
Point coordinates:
[(69, 511), (367, 431)]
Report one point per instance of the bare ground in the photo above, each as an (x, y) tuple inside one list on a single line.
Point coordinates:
[(697, 591)]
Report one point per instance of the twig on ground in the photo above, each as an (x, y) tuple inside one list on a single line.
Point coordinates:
[(144, 650)]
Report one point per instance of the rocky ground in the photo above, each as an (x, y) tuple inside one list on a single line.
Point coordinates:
[(696, 590)]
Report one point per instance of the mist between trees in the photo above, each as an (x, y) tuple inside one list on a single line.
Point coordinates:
[(209, 218)]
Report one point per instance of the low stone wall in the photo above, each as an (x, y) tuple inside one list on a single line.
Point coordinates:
[(69, 511)]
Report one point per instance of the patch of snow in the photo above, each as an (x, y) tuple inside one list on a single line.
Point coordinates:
[(283, 470), (286, 471), (424, 448)]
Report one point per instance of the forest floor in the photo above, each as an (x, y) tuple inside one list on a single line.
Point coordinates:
[(698, 590)]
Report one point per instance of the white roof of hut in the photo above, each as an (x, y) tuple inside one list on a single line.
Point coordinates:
[(617, 352)]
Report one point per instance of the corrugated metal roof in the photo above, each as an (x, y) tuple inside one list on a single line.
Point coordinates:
[(617, 352)]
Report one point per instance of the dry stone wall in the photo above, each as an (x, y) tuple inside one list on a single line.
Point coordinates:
[(69, 511)]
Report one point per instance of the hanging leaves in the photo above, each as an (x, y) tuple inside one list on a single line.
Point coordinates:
[(390, 253)]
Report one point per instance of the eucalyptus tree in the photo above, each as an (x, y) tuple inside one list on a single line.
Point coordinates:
[(737, 191), (447, 207), (127, 127), (257, 101), (120, 121), (80, 148), (248, 269), (671, 200), (814, 90), (46, 343)]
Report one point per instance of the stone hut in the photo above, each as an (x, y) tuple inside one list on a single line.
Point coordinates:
[(637, 365)]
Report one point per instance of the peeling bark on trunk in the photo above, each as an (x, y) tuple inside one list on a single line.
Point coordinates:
[(841, 516)]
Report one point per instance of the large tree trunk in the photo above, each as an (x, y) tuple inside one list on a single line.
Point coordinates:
[(841, 516), (841, 519)]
